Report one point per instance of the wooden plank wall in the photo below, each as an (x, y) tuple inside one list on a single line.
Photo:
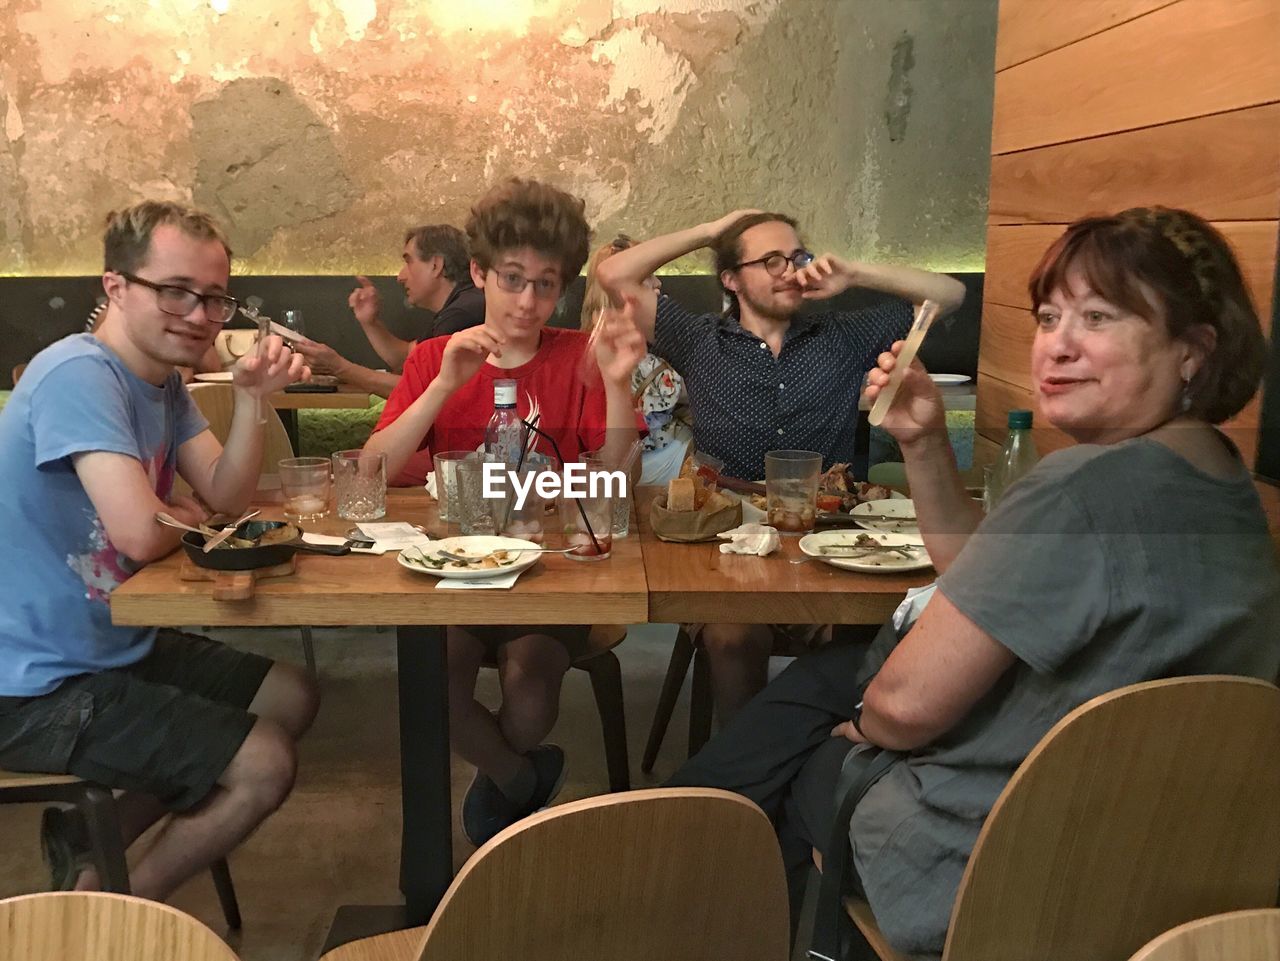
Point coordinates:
[(1106, 104)]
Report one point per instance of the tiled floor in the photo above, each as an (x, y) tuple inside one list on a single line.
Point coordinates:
[(336, 840)]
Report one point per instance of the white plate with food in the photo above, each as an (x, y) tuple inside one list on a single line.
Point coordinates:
[(215, 377), (487, 556), (897, 516), (950, 380), (869, 552)]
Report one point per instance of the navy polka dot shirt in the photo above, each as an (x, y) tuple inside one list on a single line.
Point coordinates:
[(746, 402)]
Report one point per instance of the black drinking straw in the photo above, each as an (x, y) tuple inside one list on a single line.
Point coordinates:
[(556, 449)]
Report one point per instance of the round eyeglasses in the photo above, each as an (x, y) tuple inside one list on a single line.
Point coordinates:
[(179, 301), (775, 265)]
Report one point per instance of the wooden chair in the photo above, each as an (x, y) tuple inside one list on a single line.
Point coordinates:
[(1140, 810), (83, 926), (678, 874), (1238, 936), (97, 806), (17, 372), (602, 666), (217, 402), (701, 705)]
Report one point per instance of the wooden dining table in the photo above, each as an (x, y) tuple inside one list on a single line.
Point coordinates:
[(363, 589), (696, 583)]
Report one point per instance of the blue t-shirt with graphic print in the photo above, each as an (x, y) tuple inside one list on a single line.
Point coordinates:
[(57, 567)]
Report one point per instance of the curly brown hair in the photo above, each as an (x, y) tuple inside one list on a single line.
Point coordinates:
[(527, 213), (126, 241), (1169, 266), (727, 249)]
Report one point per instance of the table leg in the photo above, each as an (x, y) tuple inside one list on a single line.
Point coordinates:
[(426, 845)]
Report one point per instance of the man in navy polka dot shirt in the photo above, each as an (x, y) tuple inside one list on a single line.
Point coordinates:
[(761, 377)]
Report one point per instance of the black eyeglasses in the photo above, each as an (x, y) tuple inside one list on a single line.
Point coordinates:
[(776, 264), (179, 301), (514, 282)]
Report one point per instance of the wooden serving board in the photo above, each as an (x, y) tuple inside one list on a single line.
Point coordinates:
[(234, 585)]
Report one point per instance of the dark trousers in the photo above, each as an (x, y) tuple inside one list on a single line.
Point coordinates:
[(778, 751)]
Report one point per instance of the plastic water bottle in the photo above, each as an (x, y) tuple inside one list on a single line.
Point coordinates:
[(1016, 458), (505, 435)]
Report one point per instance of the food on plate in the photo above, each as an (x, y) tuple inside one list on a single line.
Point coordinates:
[(275, 535), (473, 561), (839, 483)]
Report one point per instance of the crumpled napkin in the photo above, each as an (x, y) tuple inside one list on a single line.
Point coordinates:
[(757, 539)]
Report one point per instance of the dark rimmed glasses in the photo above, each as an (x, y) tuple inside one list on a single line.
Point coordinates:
[(514, 282), (775, 265), (179, 301)]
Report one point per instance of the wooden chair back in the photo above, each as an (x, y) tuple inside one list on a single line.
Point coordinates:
[(82, 926), (681, 874), (1140, 810), (17, 372), (1238, 936), (216, 402)]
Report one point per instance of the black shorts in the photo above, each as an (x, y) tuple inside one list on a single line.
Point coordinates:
[(167, 726), (573, 636)]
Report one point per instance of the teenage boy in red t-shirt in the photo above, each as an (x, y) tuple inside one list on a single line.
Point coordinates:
[(528, 240)]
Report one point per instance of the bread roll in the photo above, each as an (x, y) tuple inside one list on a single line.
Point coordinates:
[(680, 494)]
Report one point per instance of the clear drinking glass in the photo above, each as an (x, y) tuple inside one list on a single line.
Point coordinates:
[(523, 520), (293, 320), (622, 514), (588, 519), (791, 489), (360, 482), (474, 513), (305, 483), (446, 464)]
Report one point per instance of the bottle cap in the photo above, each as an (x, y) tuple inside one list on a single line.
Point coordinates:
[(504, 393), (1019, 420)]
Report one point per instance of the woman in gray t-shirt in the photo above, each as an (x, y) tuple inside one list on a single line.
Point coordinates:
[(1140, 553)]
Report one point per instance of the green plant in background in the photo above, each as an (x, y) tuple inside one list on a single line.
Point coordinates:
[(321, 432)]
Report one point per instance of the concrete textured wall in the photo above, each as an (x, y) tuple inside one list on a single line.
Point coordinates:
[(319, 129)]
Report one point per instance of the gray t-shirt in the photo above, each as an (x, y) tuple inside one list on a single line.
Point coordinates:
[(1103, 567)]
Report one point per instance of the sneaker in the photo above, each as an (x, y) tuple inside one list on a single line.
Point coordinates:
[(485, 810), (550, 768), (65, 843)]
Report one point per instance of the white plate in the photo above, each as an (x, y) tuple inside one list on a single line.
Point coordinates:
[(475, 544), (873, 564), (897, 507), (950, 380), (218, 377)]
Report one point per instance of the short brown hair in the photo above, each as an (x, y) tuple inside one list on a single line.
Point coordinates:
[(727, 248), (1170, 266), (594, 299), (126, 242), (526, 213), (445, 241)]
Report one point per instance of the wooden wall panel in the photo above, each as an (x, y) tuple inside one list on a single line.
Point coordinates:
[(1007, 333), (1178, 164), (1013, 251), (1029, 28), (1189, 59)]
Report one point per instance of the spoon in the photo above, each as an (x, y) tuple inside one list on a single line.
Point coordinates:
[(168, 520), (227, 531)]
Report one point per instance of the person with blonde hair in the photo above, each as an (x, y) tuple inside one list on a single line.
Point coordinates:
[(656, 389)]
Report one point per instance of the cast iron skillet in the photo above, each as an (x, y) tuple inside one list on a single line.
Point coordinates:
[(252, 558)]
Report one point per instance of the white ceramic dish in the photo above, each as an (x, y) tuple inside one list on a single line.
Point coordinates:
[(476, 545), (812, 544), (950, 380), (897, 507), (217, 377)]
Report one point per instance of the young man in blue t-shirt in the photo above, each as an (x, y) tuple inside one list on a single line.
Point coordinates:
[(90, 443)]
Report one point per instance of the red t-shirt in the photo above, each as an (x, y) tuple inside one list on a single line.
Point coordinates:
[(573, 411)]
